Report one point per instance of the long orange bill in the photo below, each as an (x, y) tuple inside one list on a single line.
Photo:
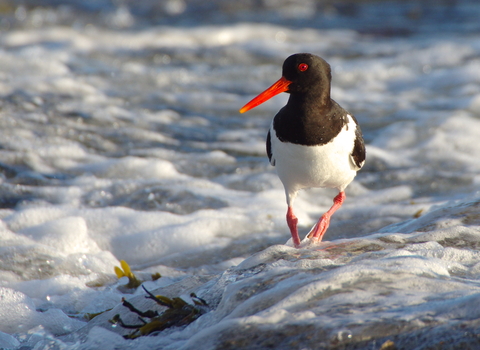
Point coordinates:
[(280, 86)]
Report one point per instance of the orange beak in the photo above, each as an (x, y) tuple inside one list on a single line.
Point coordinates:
[(280, 86)]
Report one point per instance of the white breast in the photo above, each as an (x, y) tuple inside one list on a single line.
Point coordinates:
[(328, 165)]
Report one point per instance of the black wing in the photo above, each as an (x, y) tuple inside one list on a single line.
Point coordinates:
[(269, 149), (358, 152)]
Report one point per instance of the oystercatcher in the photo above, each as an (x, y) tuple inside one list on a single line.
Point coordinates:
[(312, 141)]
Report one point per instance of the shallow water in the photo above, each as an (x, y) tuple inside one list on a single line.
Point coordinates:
[(120, 138)]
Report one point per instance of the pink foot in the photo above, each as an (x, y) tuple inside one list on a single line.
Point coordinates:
[(321, 227)]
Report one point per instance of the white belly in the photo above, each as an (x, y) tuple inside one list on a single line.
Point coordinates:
[(328, 165)]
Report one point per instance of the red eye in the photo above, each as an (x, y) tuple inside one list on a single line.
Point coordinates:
[(302, 67)]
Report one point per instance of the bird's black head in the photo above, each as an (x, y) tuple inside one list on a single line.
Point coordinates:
[(305, 76), (307, 73)]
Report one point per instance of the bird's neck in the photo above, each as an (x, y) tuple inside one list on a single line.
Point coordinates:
[(311, 106), (309, 122)]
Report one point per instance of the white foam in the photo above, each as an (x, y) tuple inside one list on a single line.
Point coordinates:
[(69, 234), (19, 315), (8, 342)]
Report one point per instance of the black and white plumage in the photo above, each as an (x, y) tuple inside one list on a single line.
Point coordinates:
[(312, 141)]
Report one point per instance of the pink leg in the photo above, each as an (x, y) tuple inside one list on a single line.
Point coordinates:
[(322, 225), (292, 224)]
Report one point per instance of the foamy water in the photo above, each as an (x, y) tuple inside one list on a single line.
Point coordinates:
[(120, 138)]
